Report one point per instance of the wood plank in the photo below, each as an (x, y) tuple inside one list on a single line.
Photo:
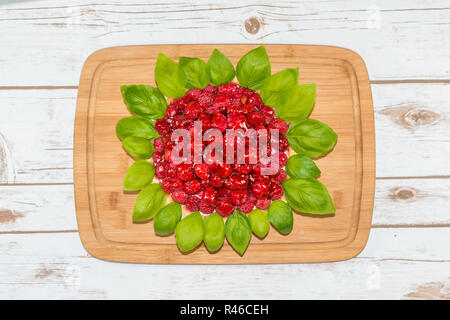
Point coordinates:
[(398, 202), (57, 265), (397, 39), (40, 150)]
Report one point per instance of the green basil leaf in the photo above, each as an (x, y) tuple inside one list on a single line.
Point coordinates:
[(259, 221), (167, 218), (137, 127), (139, 175), (280, 216), (308, 196), (238, 231), (253, 68), (214, 232), (144, 100), (297, 103), (139, 148), (190, 232), (311, 138), (169, 77), (149, 201), (275, 85), (220, 69), (300, 166), (195, 71)]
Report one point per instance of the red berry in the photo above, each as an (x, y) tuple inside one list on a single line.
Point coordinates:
[(157, 157), (205, 120), (184, 171), (238, 197), (176, 184), (225, 207), (215, 181), (281, 176), (210, 196), (210, 88), (275, 191), (284, 144), (161, 170), (193, 110), (283, 159), (219, 121), (260, 189), (205, 208), (192, 187), (263, 204), (192, 203), (158, 144), (228, 88), (201, 170), (223, 192), (249, 205), (255, 100), (268, 113), (281, 125), (205, 99), (242, 168), (171, 111), (236, 181), (179, 196), (165, 184), (248, 108), (222, 102), (237, 122), (224, 170), (193, 94), (162, 126), (255, 118)]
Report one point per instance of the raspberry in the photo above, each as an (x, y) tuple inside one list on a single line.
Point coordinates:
[(283, 144), (283, 159), (192, 187), (179, 196), (205, 99), (260, 189), (236, 181), (255, 100), (275, 191), (228, 88), (215, 181), (158, 144), (248, 108), (161, 170), (242, 168), (202, 171), (237, 122), (224, 170), (176, 184), (255, 118), (268, 113), (223, 192), (238, 197), (249, 205), (281, 125), (225, 207), (157, 157), (181, 103), (193, 110), (281, 176), (165, 184), (263, 204), (219, 121), (210, 197), (222, 102), (205, 120), (162, 126), (210, 89), (205, 208), (194, 93), (184, 171), (171, 111), (192, 203)]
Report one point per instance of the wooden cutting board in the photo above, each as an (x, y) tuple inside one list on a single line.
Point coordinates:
[(104, 211)]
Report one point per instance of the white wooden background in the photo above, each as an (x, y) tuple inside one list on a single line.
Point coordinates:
[(406, 46)]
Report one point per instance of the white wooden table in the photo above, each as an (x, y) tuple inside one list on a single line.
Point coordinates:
[(406, 46)]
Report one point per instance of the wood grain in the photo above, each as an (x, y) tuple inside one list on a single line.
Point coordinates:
[(399, 40), (56, 266), (106, 227)]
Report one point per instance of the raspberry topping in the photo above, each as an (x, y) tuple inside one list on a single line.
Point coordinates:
[(216, 185)]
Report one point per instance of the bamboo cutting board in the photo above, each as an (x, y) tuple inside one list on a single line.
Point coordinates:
[(104, 211)]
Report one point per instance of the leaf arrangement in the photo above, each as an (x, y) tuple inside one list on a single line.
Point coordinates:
[(292, 102)]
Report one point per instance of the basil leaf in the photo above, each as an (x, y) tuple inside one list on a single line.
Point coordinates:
[(139, 148), (308, 196), (190, 232), (238, 231), (300, 166), (220, 69), (274, 86), (139, 175), (137, 127), (166, 219), (214, 232), (144, 100), (280, 216), (149, 201), (253, 68), (311, 138), (259, 222), (297, 103), (169, 77), (195, 71)]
